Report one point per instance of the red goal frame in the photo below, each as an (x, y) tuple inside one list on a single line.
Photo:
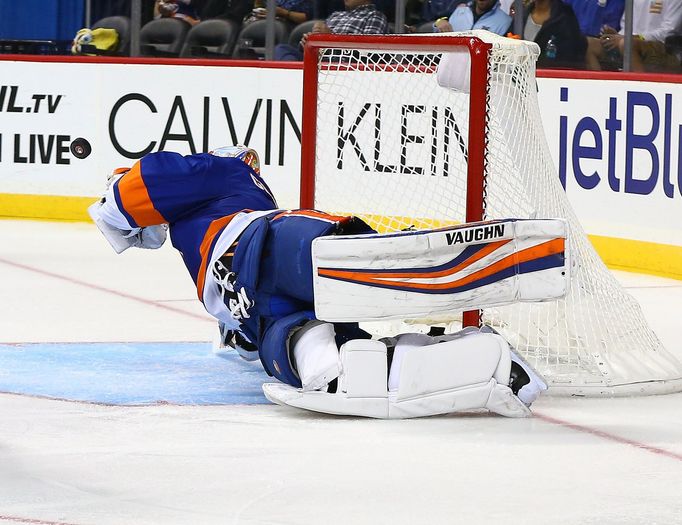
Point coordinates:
[(479, 52)]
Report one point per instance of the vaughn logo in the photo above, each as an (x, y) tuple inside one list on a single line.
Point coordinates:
[(482, 233)]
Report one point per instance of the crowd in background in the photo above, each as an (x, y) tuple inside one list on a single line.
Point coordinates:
[(578, 34)]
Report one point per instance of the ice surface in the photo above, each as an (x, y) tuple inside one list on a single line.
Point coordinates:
[(579, 461)]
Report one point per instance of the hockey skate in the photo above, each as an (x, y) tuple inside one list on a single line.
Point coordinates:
[(228, 341), (525, 382)]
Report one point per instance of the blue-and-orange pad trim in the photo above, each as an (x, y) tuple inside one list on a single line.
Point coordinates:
[(546, 255)]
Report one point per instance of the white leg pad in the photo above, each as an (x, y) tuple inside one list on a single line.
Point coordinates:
[(365, 369), (468, 371), (361, 390), (427, 273), (462, 373)]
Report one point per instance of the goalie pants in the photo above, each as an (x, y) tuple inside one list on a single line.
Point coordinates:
[(273, 264)]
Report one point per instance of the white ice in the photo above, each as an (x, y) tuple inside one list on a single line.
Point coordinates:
[(579, 461)]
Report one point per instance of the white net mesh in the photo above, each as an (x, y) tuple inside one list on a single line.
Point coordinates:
[(392, 147)]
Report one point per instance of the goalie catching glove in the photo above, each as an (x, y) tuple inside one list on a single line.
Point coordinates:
[(148, 237), (471, 369)]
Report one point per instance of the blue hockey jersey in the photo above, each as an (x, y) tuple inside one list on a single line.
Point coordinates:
[(218, 209), (206, 200)]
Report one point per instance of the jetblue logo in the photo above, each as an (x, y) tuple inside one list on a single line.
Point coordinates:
[(483, 233), (634, 137)]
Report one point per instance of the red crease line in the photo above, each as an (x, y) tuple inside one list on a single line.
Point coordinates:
[(610, 437), (33, 521), (71, 280)]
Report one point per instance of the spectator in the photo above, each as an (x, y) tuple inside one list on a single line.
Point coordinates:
[(324, 8), (592, 15), (361, 17), (180, 9), (291, 11), (553, 26), (476, 14), (652, 22), (235, 10), (434, 9)]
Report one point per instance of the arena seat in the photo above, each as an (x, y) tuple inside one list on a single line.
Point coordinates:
[(255, 32), (298, 31), (122, 26), (210, 39), (163, 37)]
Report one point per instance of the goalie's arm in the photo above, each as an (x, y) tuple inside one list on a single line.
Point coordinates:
[(116, 222), (140, 201), (165, 187)]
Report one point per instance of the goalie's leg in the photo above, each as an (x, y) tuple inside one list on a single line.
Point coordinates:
[(428, 376), (432, 272)]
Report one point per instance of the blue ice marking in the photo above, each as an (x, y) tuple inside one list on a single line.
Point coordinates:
[(131, 373)]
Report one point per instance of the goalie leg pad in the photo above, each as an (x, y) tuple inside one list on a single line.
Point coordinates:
[(466, 371), (425, 273), (459, 374), (274, 347), (361, 389)]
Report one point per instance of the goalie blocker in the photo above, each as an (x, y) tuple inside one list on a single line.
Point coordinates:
[(421, 274)]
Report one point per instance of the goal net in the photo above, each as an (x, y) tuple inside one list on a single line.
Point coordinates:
[(384, 141)]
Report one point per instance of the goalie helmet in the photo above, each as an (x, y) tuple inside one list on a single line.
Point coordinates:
[(247, 155)]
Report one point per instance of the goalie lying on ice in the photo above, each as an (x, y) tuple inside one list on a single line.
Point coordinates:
[(271, 276)]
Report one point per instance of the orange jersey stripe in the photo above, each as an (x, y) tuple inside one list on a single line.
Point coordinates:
[(213, 229), (313, 214), (552, 247), (135, 199)]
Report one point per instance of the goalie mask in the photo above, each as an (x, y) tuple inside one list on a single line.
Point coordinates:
[(247, 155)]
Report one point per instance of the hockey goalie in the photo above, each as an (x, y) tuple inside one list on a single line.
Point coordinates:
[(289, 287)]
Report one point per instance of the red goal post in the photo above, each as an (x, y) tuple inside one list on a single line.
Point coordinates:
[(478, 51)]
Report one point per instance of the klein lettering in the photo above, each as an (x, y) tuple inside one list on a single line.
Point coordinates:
[(443, 129)]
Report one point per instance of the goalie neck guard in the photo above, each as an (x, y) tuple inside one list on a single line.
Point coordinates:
[(247, 155)]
